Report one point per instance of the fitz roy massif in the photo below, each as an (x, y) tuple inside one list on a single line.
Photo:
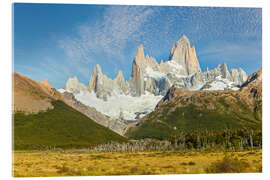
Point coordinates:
[(117, 102)]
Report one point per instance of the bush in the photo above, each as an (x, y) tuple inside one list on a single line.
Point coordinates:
[(229, 165)]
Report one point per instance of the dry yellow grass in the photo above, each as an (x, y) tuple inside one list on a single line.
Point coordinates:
[(52, 163)]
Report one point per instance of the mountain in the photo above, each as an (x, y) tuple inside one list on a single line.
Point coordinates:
[(42, 117), (183, 110), (31, 96), (73, 85), (104, 86), (185, 56), (150, 81)]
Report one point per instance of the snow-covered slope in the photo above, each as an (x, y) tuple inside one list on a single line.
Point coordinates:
[(119, 106), (220, 84)]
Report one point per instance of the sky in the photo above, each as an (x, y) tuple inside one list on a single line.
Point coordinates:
[(59, 41)]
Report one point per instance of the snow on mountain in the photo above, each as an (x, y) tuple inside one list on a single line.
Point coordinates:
[(119, 104), (154, 74), (220, 84)]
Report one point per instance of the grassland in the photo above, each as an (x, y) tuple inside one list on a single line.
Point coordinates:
[(54, 163)]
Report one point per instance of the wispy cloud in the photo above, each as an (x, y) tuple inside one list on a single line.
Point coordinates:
[(119, 25)]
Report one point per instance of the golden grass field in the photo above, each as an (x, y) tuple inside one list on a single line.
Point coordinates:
[(53, 163)]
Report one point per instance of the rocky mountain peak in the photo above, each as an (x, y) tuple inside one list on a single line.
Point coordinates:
[(224, 66), (45, 83), (97, 69), (224, 71), (73, 85), (140, 53), (185, 56), (120, 76), (183, 41)]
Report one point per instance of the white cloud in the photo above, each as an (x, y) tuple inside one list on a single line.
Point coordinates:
[(109, 37)]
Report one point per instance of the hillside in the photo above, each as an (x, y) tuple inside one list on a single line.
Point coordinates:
[(42, 119), (32, 97), (183, 110)]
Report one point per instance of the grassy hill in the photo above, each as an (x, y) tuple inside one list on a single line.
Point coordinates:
[(181, 110), (61, 126)]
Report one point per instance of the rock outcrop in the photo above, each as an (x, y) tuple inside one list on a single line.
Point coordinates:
[(73, 85), (46, 83), (104, 86), (185, 56)]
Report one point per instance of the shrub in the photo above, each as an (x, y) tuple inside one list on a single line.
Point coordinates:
[(191, 163), (228, 165)]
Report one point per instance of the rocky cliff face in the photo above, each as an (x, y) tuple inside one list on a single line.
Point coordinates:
[(185, 56), (73, 85), (104, 86)]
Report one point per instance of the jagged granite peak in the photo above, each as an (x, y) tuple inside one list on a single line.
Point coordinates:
[(137, 79), (104, 86), (183, 40), (140, 53), (185, 56), (225, 72), (98, 69), (73, 85), (239, 76), (120, 75), (96, 76)]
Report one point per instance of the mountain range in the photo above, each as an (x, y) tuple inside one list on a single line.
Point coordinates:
[(181, 69), (149, 81)]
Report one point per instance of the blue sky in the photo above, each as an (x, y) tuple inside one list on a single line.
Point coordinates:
[(58, 41)]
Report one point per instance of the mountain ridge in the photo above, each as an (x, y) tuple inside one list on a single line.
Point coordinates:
[(182, 69)]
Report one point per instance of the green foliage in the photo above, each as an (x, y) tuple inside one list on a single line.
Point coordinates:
[(62, 127)]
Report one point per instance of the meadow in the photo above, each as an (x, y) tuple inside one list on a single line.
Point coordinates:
[(77, 163)]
